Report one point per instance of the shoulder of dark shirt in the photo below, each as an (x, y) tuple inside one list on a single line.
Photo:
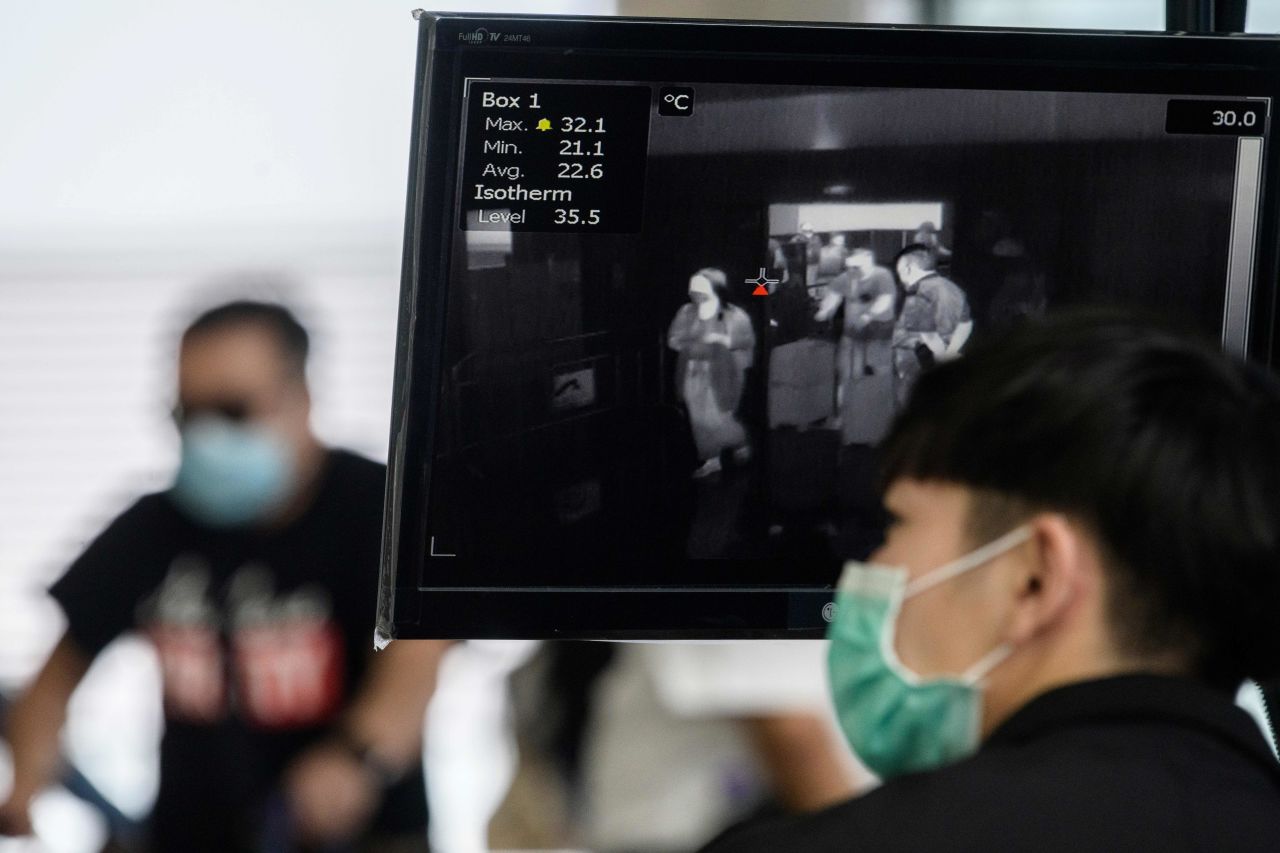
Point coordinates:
[(1109, 784), (152, 508), (965, 807), (96, 594), (348, 463), (352, 477)]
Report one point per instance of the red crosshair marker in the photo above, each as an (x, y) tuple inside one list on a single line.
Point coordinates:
[(762, 282)]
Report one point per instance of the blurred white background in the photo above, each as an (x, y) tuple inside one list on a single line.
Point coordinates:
[(148, 151)]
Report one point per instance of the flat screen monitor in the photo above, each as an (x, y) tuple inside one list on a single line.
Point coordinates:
[(656, 312)]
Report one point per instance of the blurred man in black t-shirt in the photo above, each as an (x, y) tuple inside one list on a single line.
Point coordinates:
[(255, 577)]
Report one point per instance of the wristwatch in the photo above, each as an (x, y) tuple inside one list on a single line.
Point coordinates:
[(363, 753)]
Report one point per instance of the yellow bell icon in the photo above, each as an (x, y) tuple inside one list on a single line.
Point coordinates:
[(544, 124)]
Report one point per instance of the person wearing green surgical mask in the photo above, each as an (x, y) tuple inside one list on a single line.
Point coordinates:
[(897, 719), (1078, 576)]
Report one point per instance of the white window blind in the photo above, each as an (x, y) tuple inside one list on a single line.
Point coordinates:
[(86, 382)]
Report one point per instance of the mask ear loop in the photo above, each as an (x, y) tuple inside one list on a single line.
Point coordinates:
[(969, 561), (978, 673), (988, 662)]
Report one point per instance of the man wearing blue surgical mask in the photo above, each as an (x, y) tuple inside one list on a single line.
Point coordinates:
[(1079, 573), (255, 577), (249, 457)]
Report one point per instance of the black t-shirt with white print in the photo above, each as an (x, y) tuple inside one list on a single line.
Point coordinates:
[(262, 637)]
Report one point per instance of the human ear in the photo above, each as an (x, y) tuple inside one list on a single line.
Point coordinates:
[(1049, 575)]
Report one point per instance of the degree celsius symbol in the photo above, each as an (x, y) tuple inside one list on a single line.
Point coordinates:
[(675, 101)]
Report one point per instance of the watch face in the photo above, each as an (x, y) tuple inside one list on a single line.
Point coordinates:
[(668, 284)]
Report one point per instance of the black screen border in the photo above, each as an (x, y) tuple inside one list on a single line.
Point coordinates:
[(627, 49)]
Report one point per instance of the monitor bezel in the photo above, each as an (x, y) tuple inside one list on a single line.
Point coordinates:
[(1074, 60)]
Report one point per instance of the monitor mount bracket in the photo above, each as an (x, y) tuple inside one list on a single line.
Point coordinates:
[(1205, 16)]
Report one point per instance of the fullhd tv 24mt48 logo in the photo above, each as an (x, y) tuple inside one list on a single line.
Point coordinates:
[(480, 35)]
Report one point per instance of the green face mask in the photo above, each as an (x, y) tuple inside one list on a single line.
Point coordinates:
[(896, 721)]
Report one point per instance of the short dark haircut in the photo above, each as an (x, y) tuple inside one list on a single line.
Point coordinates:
[(1167, 450), (920, 253), (294, 341)]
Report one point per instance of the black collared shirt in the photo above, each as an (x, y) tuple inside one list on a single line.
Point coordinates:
[(1131, 763)]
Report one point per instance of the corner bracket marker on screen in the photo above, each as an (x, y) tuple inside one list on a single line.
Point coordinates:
[(651, 325)]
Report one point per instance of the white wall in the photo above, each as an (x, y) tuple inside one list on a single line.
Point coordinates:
[(130, 114), (147, 149)]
